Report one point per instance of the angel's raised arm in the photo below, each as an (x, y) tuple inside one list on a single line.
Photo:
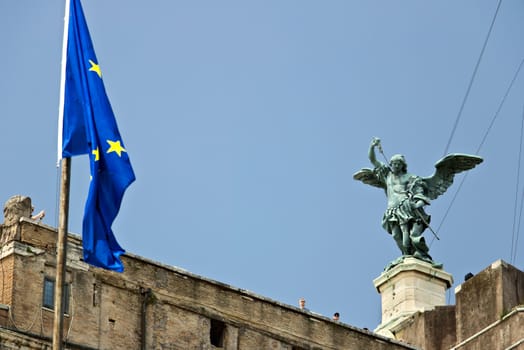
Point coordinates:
[(372, 156)]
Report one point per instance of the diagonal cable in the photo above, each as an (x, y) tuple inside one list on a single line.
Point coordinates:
[(516, 227), (472, 79), (484, 138)]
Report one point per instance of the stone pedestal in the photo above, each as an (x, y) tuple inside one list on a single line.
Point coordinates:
[(407, 288)]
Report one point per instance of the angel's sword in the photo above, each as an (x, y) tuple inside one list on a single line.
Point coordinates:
[(382, 152), (383, 155), (426, 223)]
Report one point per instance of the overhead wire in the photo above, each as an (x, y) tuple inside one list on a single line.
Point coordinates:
[(457, 119), (500, 105), (459, 114), (516, 225), (484, 138)]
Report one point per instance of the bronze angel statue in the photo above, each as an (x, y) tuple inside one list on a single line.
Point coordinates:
[(407, 195)]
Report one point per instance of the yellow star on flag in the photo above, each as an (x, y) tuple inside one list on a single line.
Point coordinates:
[(95, 68), (115, 146), (96, 153)]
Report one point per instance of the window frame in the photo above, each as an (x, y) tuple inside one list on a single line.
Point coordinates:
[(48, 295)]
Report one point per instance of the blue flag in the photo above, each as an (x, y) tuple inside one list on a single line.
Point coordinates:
[(89, 127)]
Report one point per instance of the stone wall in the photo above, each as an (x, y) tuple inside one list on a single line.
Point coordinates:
[(161, 307), (489, 307), (489, 314), (430, 330), (6, 279), (158, 306)]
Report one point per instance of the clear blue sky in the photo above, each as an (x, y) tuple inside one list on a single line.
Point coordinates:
[(245, 121)]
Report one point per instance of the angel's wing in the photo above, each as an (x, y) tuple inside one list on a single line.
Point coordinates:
[(369, 177), (446, 168)]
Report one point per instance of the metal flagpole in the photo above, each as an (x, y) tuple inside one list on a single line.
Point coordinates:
[(63, 216)]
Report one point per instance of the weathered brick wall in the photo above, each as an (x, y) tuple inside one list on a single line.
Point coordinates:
[(119, 318), (6, 275), (39, 236), (507, 333), (85, 309), (26, 306), (430, 330), (175, 328), (249, 339), (487, 297), (245, 311), (106, 307), (11, 340)]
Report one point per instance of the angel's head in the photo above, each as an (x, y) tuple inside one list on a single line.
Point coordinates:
[(398, 164)]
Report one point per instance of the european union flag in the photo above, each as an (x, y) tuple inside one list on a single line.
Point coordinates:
[(89, 127)]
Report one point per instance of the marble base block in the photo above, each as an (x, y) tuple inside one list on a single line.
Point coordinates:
[(407, 288)]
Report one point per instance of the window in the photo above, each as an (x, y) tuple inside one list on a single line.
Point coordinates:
[(216, 333), (49, 295)]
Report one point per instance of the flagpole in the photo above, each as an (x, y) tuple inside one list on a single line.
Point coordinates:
[(61, 258), (63, 216)]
